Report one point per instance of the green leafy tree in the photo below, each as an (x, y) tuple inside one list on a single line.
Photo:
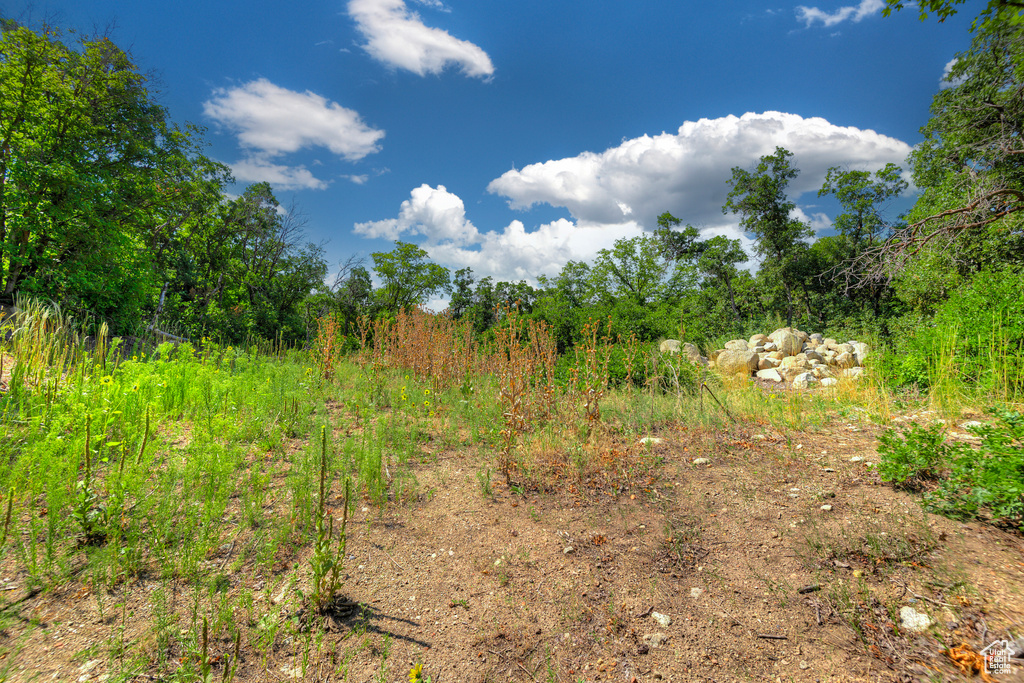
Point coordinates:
[(242, 269), (863, 199), (944, 9), (862, 227), (636, 269), (462, 293), (83, 153), (678, 244), (759, 197), (718, 263), (408, 278), (972, 156), (485, 303), (509, 294)]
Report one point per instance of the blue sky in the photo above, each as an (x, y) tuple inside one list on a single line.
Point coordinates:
[(513, 137)]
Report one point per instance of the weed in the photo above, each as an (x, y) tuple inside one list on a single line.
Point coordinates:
[(983, 482), (327, 561), (483, 477)]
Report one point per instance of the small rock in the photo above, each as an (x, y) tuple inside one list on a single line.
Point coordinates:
[(826, 508), (829, 381), (804, 665), (653, 640), (701, 461), (696, 592), (914, 621), (857, 458), (568, 550), (829, 469), (651, 441), (804, 380), (663, 619)]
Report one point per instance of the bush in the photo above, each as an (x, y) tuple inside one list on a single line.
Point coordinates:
[(976, 338), (912, 458), (985, 482)]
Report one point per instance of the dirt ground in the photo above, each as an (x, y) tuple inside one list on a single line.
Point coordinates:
[(778, 559)]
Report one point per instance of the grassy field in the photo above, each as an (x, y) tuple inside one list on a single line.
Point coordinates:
[(429, 509)]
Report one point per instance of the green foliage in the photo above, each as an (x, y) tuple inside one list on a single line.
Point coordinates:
[(975, 338), (988, 317), (914, 457), (81, 160), (759, 197), (970, 164), (985, 483), (944, 9), (408, 278)]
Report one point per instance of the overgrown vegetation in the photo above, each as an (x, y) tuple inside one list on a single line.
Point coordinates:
[(960, 479)]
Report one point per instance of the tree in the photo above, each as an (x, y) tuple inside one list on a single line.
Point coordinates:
[(759, 198), (242, 269), (82, 153), (408, 279), (635, 269), (678, 245), (485, 303), (944, 9), (718, 262), (970, 165), (462, 293), (863, 200), (861, 226)]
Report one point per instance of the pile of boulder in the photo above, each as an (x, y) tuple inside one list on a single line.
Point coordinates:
[(785, 355)]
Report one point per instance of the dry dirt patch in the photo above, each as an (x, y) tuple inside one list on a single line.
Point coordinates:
[(779, 559)]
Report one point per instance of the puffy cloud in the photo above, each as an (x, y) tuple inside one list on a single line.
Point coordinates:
[(271, 120), (866, 8), (437, 214), (686, 172), (945, 83), (398, 37), (255, 170), (512, 253), (818, 221)]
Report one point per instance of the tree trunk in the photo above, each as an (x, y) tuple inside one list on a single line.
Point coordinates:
[(789, 303)]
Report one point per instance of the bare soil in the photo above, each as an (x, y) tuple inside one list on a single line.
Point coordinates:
[(752, 579)]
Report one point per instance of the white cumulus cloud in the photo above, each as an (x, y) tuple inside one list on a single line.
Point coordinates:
[(398, 37), (685, 172), (434, 213), (272, 120), (866, 8), (256, 170), (511, 254), (945, 83)]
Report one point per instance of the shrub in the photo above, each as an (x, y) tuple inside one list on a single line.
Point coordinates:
[(912, 458), (976, 337), (985, 482)]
